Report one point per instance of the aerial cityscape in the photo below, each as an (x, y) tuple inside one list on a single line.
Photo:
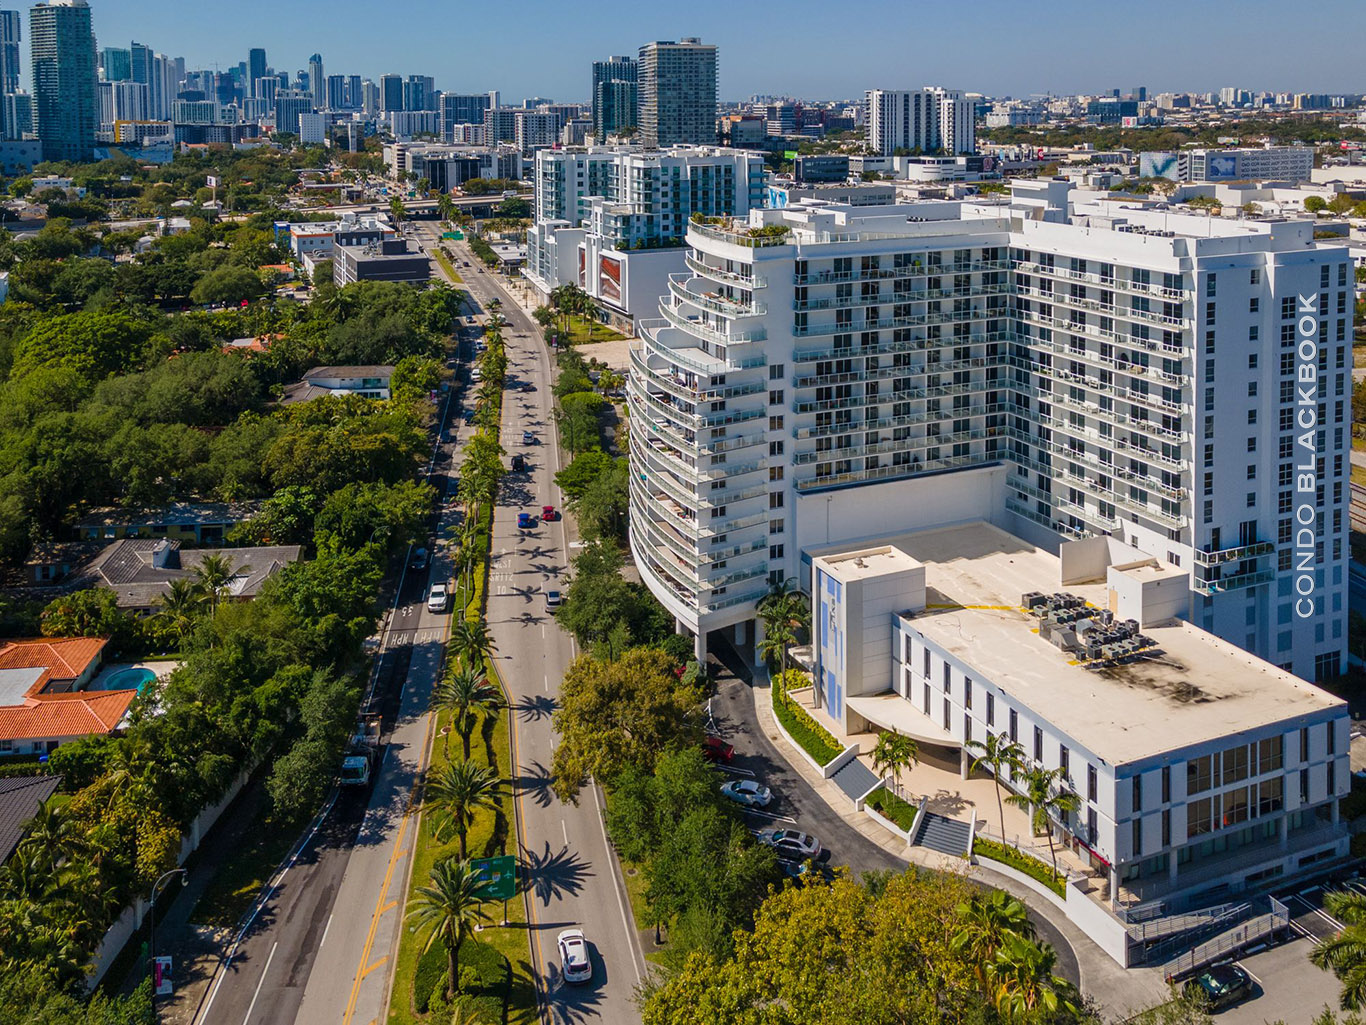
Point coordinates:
[(745, 537)]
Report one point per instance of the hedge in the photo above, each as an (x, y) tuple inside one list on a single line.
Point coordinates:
[(487, 976), (1021, 862), (811, 736), (889, 806)]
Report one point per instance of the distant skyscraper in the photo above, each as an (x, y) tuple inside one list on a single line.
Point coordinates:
[(289, 104), (140, 63), (117, 64), (461, 109), (18, 114), (614, 96), (677, 88), (369, 97), (336, 93), (11, 35), (390, 92), (256, 68), (354, 95), (64, 79), (419, 93), (317, 82)]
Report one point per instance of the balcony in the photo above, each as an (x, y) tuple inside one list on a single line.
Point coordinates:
[(727, 277), (733, 234), (916, 270), (910, 345), (714, 301), (1216, 557), (1237, 582), (697, 329)]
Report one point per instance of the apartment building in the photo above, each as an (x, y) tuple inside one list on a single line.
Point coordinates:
[(928, 120), (1275, 163), (677, 93), (1063, 368)]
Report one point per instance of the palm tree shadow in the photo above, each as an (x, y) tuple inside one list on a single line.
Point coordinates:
[(535, 783), (537, 707), (554, 874)]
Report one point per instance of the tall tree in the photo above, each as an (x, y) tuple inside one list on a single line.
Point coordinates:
[(1047, 799), (472, 642), (1025, 986), (467, 694), (1344, 954), (1000, 755), (987, 921), (458, 792), (448, 909), (894, 753), (213, 574), (182, 605)]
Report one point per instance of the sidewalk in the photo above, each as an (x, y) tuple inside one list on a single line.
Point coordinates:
[(1125, 991)]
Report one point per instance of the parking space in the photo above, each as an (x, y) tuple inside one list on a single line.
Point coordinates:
[(1287, 988)]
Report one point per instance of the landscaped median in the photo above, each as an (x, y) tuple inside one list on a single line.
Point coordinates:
[(1021, 862), (805, 732)]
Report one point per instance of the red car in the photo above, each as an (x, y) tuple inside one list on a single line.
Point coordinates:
[(714, 749), (549, 513)]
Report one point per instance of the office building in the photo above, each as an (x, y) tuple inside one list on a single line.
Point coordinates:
[(1078, 371), (64, 77), (1274, 163), (337, 97), (461, 109), (369, 98), (390, 93), (614, 96), (419, 93), (266, 88), (116, 64), (289, 104), (18, 115), (677, 89), (256, 69), (127, 102), (389, 259), (11, 38), (1200, 771), (317, 81), (929, 120)]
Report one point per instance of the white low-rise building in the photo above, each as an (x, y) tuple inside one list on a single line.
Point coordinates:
[(1201, 770)]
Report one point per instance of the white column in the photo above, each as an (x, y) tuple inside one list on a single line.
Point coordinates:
[(964, 763), (699, 646), (740, 633), (680, 627)]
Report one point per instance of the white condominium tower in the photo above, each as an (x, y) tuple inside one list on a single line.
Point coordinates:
[(1063, 366), (676, 84), (928, 120)]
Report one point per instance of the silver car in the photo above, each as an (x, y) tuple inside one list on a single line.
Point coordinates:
[(747, 792), (791, 844)]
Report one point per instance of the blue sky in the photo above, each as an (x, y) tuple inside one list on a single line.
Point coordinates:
[(803, 48)]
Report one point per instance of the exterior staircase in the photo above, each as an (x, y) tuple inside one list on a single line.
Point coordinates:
[(943, 834), (854, 778)]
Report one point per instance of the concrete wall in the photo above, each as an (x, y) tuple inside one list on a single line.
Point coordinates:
[(1085, 560)]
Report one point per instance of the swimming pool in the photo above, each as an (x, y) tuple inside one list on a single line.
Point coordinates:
[(127, 679)]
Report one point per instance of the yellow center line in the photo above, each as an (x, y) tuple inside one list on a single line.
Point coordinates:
[(375, 965), (392, 904)]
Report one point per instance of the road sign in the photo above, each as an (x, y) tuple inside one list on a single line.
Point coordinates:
[(161, 976), (498, 876)]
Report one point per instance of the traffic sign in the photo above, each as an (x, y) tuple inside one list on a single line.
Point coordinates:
[(497, 876)]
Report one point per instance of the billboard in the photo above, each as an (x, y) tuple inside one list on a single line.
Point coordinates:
[(1221, 166), (609, 278)]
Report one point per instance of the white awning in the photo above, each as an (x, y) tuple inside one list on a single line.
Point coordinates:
[(893, 712)]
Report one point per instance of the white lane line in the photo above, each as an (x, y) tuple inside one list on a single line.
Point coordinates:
[(325, 929), (252, 1006), (547, 684), (565, 830), (616, 885)]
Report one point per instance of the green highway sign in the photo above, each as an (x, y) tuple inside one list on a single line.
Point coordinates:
[(497, 876)]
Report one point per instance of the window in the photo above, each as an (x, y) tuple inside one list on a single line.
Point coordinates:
[(947, 713), (926, 673), (775, 500), (775, 372), (775, 551), (775, 398), (991, 709), (1064, 760), (967, 692), (948, 679), (775, 526), (1014, 726), (1199, 817), (1038, 744), (1199, 774), (1332, 738), (1138, 836), (1166, 784), (1138, 793), (775, 448), (1092, 783)]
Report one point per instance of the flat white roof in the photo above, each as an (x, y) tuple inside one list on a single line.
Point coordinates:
[(867, 563), (1197, 689)]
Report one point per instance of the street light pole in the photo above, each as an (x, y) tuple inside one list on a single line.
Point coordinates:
[(152, 914)]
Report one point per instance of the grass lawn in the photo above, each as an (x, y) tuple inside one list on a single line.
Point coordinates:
[(634, 877), (580, 333), (1359, 475), (445, 264)]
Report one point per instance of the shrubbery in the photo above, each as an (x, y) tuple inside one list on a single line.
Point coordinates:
[(1022, 862)]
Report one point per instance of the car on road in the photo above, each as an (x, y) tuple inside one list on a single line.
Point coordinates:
[(528, 437), (518, 463), (437, 598), (575, 964), (419, 559), (714, 749), (549, 513), (526, 521), (751, 793), (791, 844), (1220, 985), (553, 599)]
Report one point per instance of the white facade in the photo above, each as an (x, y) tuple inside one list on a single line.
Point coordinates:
[(1200, 770), (318, 238), (920, 120), (313, 128), (1145, 376)]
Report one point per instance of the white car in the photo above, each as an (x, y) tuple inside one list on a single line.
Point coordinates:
[(791, 844), (747, 792), (575, 964), (553, 598), (437, 598)]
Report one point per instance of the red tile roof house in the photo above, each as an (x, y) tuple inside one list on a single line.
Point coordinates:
[(43, 697)]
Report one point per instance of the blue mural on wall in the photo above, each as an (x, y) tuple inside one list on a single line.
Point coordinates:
[(832, 645)]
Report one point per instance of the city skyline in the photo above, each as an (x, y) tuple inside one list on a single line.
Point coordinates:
[(556, 61)]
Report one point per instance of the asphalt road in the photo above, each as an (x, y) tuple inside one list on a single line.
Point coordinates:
[(570, 869), (321, 947)]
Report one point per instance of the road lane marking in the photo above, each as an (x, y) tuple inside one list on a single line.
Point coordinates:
[(547, 684), (616, 884), (325, 929), (565, 830), (393, 903), (375, 965), (252, 1006)]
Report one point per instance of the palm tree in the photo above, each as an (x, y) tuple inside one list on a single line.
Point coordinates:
[(448, 910), (1023, 984), (1046, 798), (471, 641), (51, 836), (213, 574), (784, 612), (465, 693), (182, 605), (987, 922), (1000, 754), (1345, 953), (895, 753), (458, 792)]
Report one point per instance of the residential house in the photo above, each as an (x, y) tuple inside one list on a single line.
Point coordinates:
[(20, 799), (371, 382), (44, 696), (201, 523), (141, 570)]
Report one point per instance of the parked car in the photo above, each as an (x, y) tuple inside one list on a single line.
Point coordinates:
[(549, 513), (525, 520), (1221, 985), (575, 964), (528, 437), (419, 559), (518, 463), (714, 749), (437, 598), (791, 844), (748, 792), (469, 417)]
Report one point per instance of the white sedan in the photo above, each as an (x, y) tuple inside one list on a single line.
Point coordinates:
[(575, 964), (791, 844), (747, 792)]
